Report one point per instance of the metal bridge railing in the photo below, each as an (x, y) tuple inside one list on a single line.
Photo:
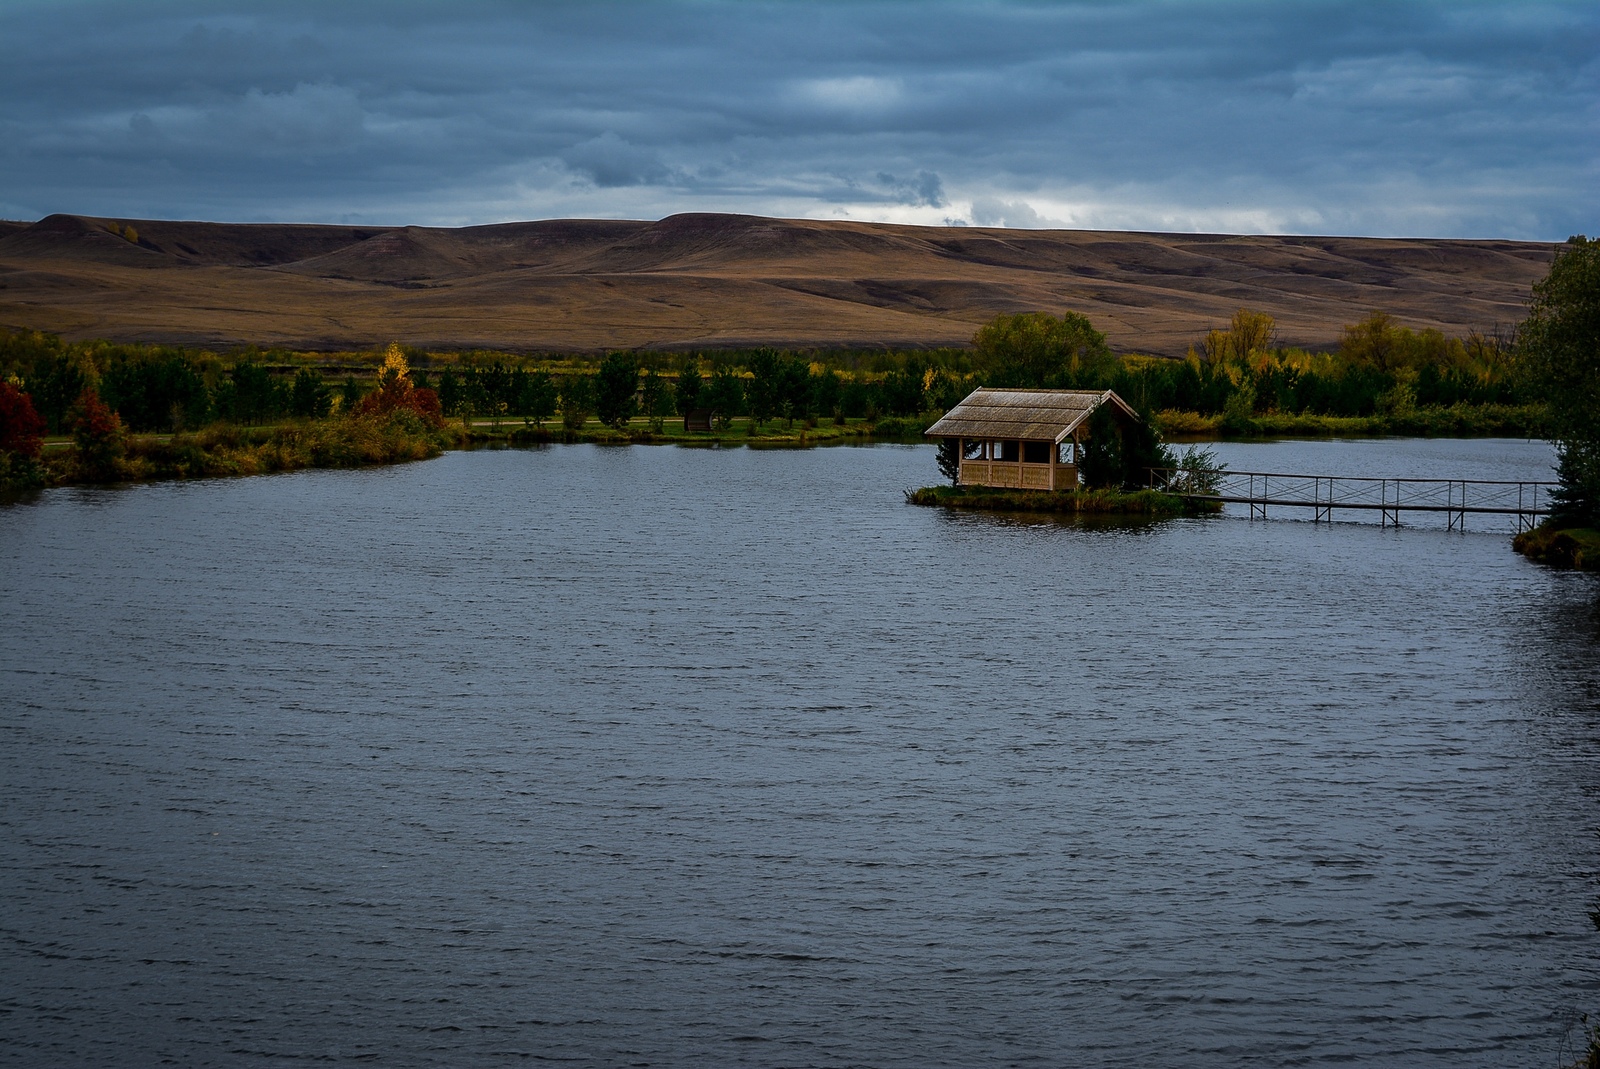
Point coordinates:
[(1455, 498)]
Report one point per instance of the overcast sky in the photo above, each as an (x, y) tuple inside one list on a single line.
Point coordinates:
[(1475, 119)]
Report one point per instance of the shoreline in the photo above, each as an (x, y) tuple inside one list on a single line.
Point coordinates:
[(1564, 548), (227, 451), (1147, 504)]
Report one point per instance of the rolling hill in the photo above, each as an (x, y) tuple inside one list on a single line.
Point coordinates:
[(706, 281)]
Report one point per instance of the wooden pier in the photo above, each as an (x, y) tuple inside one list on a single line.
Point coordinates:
[(1457, 499)]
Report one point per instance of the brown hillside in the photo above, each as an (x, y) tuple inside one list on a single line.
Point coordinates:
[(704, 281)]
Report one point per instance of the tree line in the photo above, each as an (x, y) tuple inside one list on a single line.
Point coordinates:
[(1239, 372), (1560, 348), (156, 388)]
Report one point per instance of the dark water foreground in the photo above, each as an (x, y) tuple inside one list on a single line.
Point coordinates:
[(675, 757)]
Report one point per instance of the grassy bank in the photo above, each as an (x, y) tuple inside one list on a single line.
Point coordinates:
[(1065, 502), (1454, 421), (741, 431), (226, 450), (1572, 547)]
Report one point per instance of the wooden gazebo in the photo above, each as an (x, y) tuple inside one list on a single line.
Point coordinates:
[(1029, 439)]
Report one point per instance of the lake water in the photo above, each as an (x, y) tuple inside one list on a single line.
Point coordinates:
[(672, 757)]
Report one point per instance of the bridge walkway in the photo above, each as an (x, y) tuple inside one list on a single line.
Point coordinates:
[(1456, 499)]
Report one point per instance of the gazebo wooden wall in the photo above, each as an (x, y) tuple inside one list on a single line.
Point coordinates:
[(1020, 474)]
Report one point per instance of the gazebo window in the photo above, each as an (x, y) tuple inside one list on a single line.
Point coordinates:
[(1066, 453), (1036, 452), (972, 449), (1003, 450)]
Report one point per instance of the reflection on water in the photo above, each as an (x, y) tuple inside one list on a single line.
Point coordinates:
[(673, 756)]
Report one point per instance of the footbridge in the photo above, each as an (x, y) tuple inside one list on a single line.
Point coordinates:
[(1390, 498)]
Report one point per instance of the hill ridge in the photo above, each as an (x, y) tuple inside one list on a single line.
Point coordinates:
[(707, 280)]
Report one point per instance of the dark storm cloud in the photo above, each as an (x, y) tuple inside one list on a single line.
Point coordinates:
[(1308, 117)]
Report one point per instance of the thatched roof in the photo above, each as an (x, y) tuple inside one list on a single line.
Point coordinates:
[(1031, 415)]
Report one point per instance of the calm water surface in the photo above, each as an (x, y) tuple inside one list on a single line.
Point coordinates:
[(656, 756)]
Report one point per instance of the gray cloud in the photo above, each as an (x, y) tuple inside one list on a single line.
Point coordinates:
[(1334, 116), (609, 161), (991, 211), (924, 189)]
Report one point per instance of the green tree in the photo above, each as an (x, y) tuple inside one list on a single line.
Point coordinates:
[(55, 385), (1121, 453), (350, 394), (942, 390), (901, 392), (794, 388), (765, 391), (310, 397), (950, 459), (1037, 350), (251, 395), (156, 389), (687, 391), (450, 392), (474, 399), (616, 389), (1575, 501), (1560, 349), (576, 401), (23, 352), (538, 401), (496, 383), (655, 399), (1142, 450), (1101, 463), (826, 394), (724, 394)]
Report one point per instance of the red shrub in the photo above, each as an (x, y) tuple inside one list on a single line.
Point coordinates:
[(425, 403), (21, 429), (97, 431), (394, 395)]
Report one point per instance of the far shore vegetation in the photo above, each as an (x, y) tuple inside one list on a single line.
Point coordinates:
[(103, 411), (394, 421)]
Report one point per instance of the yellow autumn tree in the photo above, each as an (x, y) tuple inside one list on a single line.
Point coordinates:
[(1249, 333), (394, 379), (395, 388)]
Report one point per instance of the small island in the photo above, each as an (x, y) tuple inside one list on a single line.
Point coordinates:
[(1074, 452), (1080, 502)]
